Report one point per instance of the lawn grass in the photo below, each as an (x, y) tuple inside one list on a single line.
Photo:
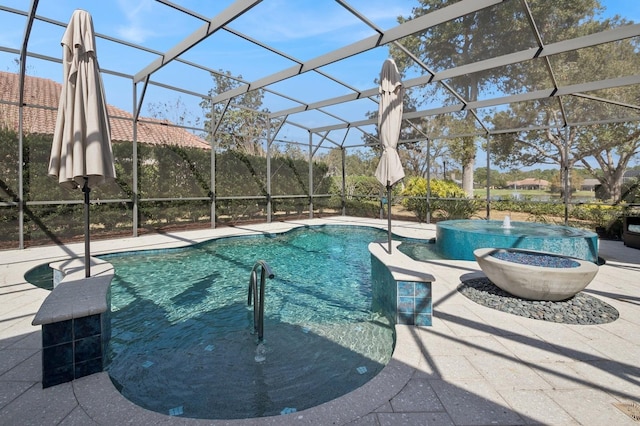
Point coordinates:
[(532, 193)]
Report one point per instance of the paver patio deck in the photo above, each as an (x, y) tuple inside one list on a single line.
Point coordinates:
[(474, 366)]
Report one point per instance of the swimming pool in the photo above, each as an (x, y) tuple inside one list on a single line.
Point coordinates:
[(181, 341)]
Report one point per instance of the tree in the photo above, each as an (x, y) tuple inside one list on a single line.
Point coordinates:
[(474, 37), (414, 157), (621, 143), (174, 111), (295, 151), (603, 150), (243, 124), (496, 179), (333, 159)]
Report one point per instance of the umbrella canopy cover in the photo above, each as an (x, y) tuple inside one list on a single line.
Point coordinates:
[(81, 145), (389, 170)]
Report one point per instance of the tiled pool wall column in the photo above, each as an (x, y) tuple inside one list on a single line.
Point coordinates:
[(76, 321), (406, 302), (74, 348)]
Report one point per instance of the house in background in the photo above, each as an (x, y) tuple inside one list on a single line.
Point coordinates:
[(41, 98), (529, 183), (631, 176), (589, 184)]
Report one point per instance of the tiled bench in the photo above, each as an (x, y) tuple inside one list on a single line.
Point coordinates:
[(401, 287), (75, 321)]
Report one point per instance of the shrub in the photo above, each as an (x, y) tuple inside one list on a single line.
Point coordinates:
[(356, 186), (539, 211), (447, 199), (600, 215)]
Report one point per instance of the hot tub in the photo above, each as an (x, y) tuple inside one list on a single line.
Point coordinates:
[(457, 239)]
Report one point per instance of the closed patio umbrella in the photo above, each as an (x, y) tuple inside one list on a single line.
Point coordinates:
[(389, 170), (81, 155)]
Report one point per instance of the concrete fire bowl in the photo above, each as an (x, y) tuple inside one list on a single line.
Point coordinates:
[(535, 275)]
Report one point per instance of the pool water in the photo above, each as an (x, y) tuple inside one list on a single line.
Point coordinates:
[(420, 250), (182, 341)]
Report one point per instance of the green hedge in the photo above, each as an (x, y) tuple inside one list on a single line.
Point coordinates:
[(164, 171)]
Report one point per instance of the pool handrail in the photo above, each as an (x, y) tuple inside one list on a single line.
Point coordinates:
[(258, 295)]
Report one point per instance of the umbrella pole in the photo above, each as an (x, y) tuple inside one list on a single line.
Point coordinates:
[(87, 265), (389, 213)]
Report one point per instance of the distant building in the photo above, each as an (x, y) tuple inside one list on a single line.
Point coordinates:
[(589, 184), (593, 184), (529, 183), (631, 175)]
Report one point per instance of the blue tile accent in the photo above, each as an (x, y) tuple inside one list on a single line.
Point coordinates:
[(423, 306), (87, 348), (86, 326), (56, 356), (457, 239), (74, 348), (384, 289), (406, 302), (423, 320), (406, 289), (405, 318), (423, 290), (86, 368), (58, 375), (56, 333)]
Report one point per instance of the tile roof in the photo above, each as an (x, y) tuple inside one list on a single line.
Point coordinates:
[(41, 97)]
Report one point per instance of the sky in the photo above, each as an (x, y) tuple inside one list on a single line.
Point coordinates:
[(629, 9), (158, 27)]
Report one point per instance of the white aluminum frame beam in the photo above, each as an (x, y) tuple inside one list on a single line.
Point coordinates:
[(421, 23), (229, 14), (575, 89), (508, 59)]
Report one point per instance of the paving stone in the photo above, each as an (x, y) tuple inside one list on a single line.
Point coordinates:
[(452, 368), (475, 403), (591, 407), (417, 395), (504, 373), (538, 407), (12, 357), (10, 390), (39, 406), (414, 419)]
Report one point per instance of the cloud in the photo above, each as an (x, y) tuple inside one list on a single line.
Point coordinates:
[(298, 25), (273, 21), (277, 21), (136, 28), (134, 33)]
